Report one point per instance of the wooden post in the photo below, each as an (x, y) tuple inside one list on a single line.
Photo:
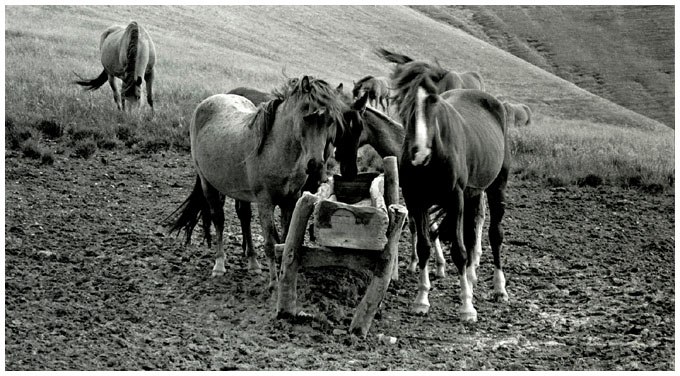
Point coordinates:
[(391, 188), (382, 274), (287, 295), (286, 302)]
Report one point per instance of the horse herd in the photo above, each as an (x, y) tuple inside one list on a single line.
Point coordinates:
[(267, 148)]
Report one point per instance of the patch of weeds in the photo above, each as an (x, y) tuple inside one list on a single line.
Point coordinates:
[(50, 129), (108, 144), (557, 181), (15, 134), (31, 149), (154, 146), (591, 180), (47, 158), (84, 148), (80, 133)]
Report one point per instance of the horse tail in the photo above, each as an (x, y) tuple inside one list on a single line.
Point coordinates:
[(130, 76), (392, 57), (93, 84), (186, 215), (527, 109)]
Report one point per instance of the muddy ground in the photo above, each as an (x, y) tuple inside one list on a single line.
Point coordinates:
[(92, 282)]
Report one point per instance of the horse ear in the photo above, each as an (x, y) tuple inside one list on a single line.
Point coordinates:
[(339, 88), (360, 104), (305, 84)]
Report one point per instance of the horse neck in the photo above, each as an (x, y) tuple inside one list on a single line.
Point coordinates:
[(384, 135), (282, 140)]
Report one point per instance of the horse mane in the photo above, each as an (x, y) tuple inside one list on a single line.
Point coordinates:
[(131, 54), (363, 79), (407, 78), (319, 94)]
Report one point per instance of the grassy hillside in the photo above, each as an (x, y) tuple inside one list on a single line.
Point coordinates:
[(621, 53), (207, 50)]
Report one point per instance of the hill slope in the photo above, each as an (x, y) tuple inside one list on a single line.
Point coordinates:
[(250, 46), (621, 53)]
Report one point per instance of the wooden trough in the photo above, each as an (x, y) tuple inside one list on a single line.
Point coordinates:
[(359, 232)]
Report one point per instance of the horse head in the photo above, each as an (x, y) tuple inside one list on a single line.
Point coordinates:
[(132, 89), (349, 139), (321, 115)]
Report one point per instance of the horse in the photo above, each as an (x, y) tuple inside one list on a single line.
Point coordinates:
[(444, 79), (365, 125), (455, 147), (258, 154), (377, 89), (129, 54), (520, 114), (244, 208)]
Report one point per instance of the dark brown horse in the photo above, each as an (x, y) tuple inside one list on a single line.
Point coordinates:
[(455, 148)]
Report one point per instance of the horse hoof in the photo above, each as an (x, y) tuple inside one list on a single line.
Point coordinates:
[(468, 316), (501, 297), (218, 273), (271, 287), (254, 267), (420, 309), (412, 267), (440, 272)]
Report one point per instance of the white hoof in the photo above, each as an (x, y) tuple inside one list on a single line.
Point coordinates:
[(254, 266), (420, 309), (468, 316), (217, 273), (413, 267)]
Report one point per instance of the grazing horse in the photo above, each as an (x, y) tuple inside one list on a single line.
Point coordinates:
[(519, 114), (261, 155), (455, 148), (443, 79), (365, 125), (377, 89), (129, 54)]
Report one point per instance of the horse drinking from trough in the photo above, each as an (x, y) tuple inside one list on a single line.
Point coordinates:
[(454, 149), (261, 155), (365, 125), (129, 54), (244, 208)]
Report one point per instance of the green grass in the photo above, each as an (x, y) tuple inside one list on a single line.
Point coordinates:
[(208, 50)]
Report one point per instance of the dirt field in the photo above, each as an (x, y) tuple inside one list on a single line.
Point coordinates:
[(92, 282)]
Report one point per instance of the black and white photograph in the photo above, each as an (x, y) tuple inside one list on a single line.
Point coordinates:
[(270, 186)]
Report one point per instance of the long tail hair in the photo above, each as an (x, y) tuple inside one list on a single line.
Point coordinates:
[(93, 84), (186, 215), (130, 78)]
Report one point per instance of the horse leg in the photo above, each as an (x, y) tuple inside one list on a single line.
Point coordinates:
[(245, 214), (475, 213), (496, 198), (148, 78), (212, 195), (422, 305), (266, 212), (440, 272), (459, 255), (414, 253), (116, 92)]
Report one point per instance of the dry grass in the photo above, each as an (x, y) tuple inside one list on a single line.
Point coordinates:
[(208, 50)]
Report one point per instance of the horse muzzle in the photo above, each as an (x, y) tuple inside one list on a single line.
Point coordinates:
[(421, 157)]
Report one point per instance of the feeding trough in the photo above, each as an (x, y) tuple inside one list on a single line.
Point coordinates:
[(357, 225)]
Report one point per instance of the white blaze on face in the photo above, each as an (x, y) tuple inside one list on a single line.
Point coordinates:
[(422, 151)]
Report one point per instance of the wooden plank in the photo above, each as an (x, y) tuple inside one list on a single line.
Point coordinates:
[(341, 225)]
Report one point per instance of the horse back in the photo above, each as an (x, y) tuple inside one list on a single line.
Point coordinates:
[(479, 128)]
